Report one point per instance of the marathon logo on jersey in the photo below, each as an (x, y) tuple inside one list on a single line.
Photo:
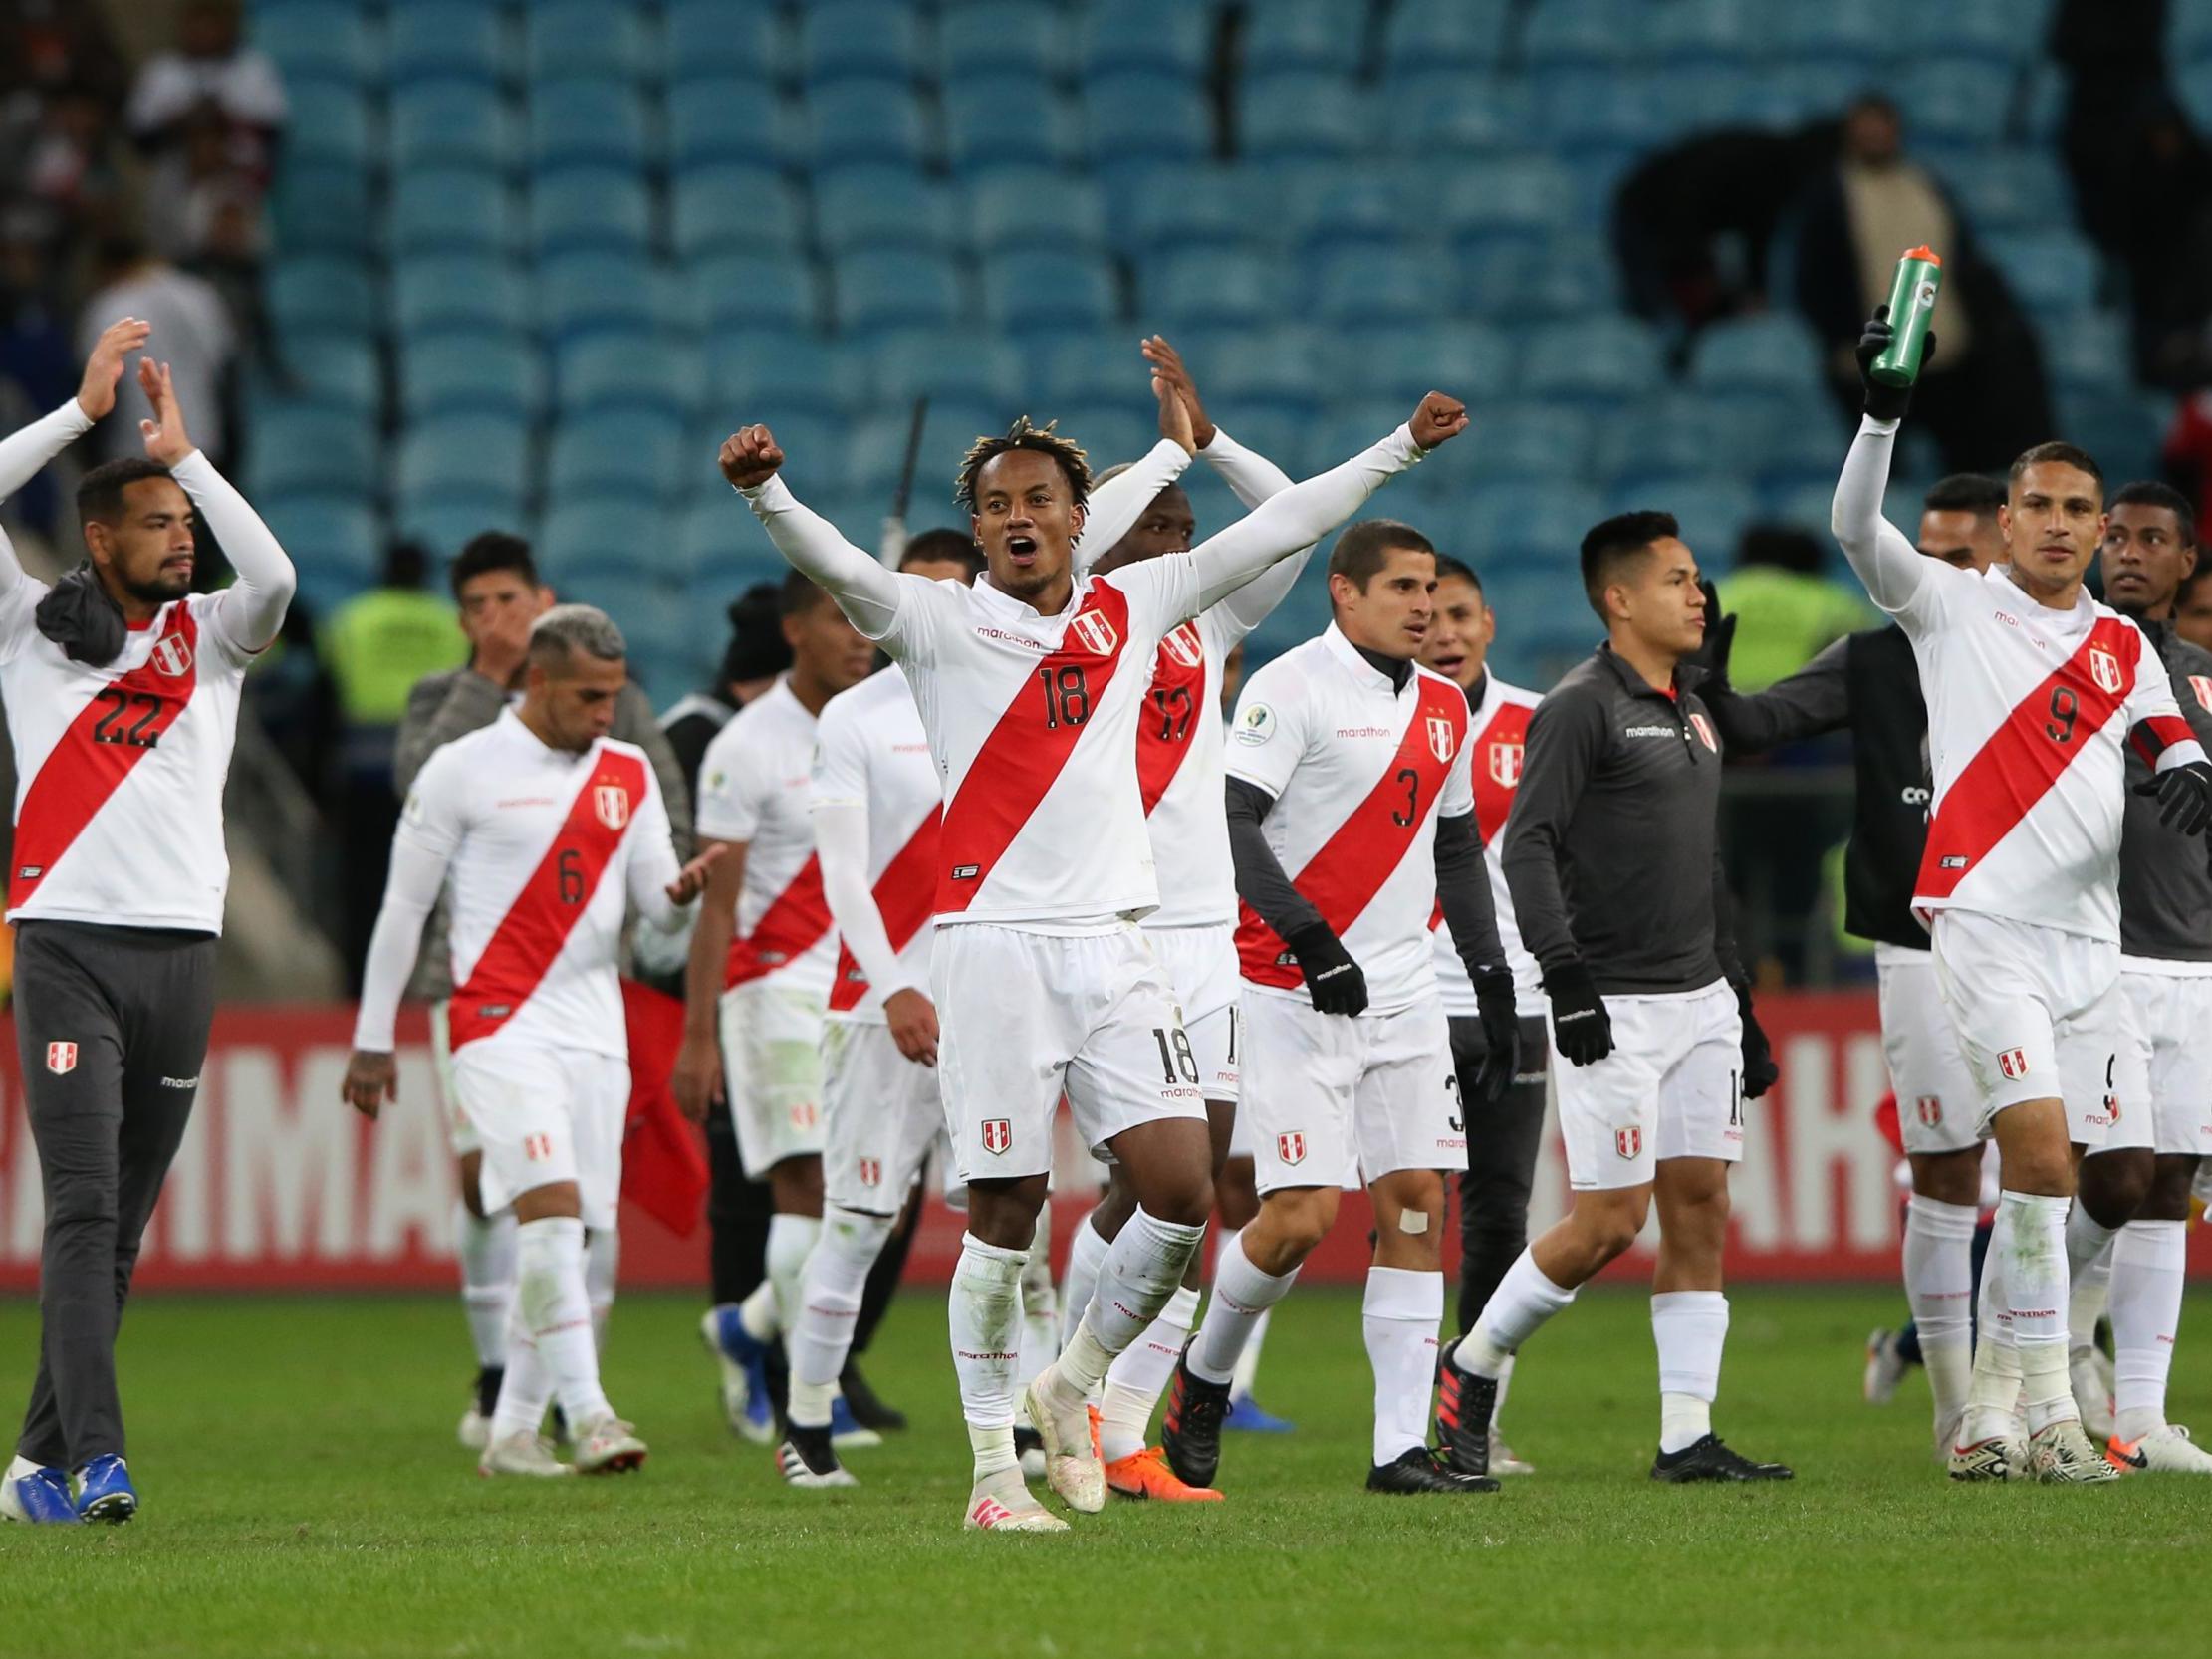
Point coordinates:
[(1505, 764), (2012, 1062), (2104, 669), (998, 1135), (1095, 632), (1184, 648), (1441, 738), (61, 1059), (611, 803), (171, 655), (2202, 686), (1704, 728), (1929, 1110), (1291, 1147), (1627, 1142), (871, 1173)]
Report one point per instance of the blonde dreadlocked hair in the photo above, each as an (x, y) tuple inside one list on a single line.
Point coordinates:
[(1073, 464)]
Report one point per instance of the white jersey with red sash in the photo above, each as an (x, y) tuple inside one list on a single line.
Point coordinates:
[(538, 844), (1500, 722), (753, 788), (1359, 773), (1179, 747), (119, 771), (871, 751)]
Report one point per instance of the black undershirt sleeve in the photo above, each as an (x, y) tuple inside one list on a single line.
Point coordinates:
[(1260, 881), (1463, 888)]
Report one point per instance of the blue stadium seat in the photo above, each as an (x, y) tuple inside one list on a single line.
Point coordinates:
[(865, 39), (1157, 36), (814, 445), (319, 42), (578, 293), (1031, 206), (656, 373), (1458, 112), (1099, 369), (462, 456), (329, 126), (1796, 442), (1443, 33), (584, 37), (1771, 354), (300, 448), (1584, 109), (1040, 293), (599, 209), (883, 208), (1714, 509), (712, 538), (2003, 30), (487, 373), (1404, 362), (1177, 208), (437, 43), (338, 537), (783, 374), (2008, 189), (1300, 117), (1845, 38), (634, 451), (723, 122), (720, 39), (1805, 506), (1955, 101), (1516, 196), (878, 290), (1567, 274), (853, 121), (1605, 358), (457, 292), (448, 123), (1107, 432), (1000, 122), (2050, 272), (1212, 288), (1705, 34), (733, 209), (1325, 206), (970, 367), (1275, 371), (878, 450), (2195, 87), (1001, 38), (2121, 426), (588, 547), (1680, 430), (321, 210), (453, 210), (1532, 440), (444, 520), (1540, 520), (331, 371), (1324, 35), (321, 293), (1584, 32), (1344, 430), (586, 123), (1136, 118), (2087, 352), (1380, 285), (749, 291)]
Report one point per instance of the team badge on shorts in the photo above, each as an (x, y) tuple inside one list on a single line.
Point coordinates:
[(998, 1134), (1442, 740), (61, 1059), (2014, 1063), (1929, 1110), (1627, 1142), (171, 655), (803, 1116), (871, 1173), (2104, 669), (611, 803), (1291, 1147), (1505, 764)]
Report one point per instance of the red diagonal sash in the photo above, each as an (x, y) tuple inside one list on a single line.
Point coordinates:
[(1029, 746), (121, 725), (530, 937), (1177, 702), (1354, 863), (1496, 767), (794, 921), (905, 896), (2023, 757)]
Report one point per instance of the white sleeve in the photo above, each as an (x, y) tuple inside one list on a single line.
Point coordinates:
[(1297, 518), (731, 787), (1267, 738), (1897, 576), (653, 862), (1255, 479), (251, 609), (1251, 475), (429, 833), (25, 452), (1120, 501), (873, 598), (841, 843)]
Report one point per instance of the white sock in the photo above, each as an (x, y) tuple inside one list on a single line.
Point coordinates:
[(986, 1322), (1939, 1286), (1143, 1271), (1242, 1295), (1040, 1302), (1399, 1317), (1690, 1329), (1248, 1360), (2029, 1240), (602, 1254), (1086, 1253), (557, 1311), (527, 1387), (828, 1307), (1523, 1300), (1505, 1387), (2149, 1260), (1993, 1393), (790, 1241), (1138, 1376), (485, 1246), (757, 1312), (2088, 1269)]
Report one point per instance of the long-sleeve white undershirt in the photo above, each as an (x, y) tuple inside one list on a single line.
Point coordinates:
[(1890, 566), (252, 607)]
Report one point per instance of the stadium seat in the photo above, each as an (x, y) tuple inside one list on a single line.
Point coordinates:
[(301, 448), (453, 210), (601, 209), (775, 370), (1520, 196), (1584, 32), (1144, 118), (1531, 440), (1714, 509), (1456, 112), (437, 43), (1847, 38), (459, 293), (1380, 285), (2008, 189), (1099, 369), (877, 451), (2195, 87), (323, 209), (339, 535), (1000, 38), (486, 373), (447, 122), (1031, 207), (721, 39), (323, 42), (586, 123), (1569, 274), (723, 122), (1685, 430), (2050, 272), (1603, 358), (1582, 110), (578, 293), (1703, 34), (1300, 117), (1344, 429), (1956, 100), (1107, 432), (1037, 293), (1443, 35), (1273, 371), (1003, 121), (973, 368), (814, 443), (588, 546), (1165, 37), (329, 126), (749, 291), (1771, 354), (734, 209), (2087, 352), (865, 121), (877, 290), (1326, 206), (1212, 288), (444, 521), (883, 208), (589, 39), (843, 40), (1403, 361), (323, 293), (656, 373), (636, 452), (1796, 442), (2001, 30), (1179, 208), (1539, 520), (1329, 35), (331, 371), (462, 456)]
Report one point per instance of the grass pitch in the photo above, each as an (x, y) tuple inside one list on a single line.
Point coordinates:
[(304, 1495)]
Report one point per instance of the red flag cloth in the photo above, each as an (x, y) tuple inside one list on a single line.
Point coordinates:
[(665, 1170), (1885, 1119)]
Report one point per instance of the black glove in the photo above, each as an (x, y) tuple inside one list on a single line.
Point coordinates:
[(1886, 402), (1720, 638), (1501, 1036), (1759, 1071), (2184, 796), (1580, 1024), (1332, 977)]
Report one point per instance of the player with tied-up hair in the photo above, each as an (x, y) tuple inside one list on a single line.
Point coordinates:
[(1030, 685)]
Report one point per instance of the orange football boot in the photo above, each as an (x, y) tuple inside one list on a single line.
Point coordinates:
[(1146, 1475)]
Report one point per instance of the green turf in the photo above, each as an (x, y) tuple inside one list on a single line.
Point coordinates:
[(304, 1495)]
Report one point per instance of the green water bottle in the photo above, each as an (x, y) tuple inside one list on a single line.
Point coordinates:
[(1912, 309)]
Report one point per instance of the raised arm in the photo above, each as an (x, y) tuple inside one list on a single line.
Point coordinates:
[(1890, 566), (863, 589), (1120, 501), (25, 453)]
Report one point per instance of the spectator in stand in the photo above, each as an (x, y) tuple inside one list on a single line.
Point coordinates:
[(68, 166), (1787, 609), (194, 326), (1982, 392), (38, 361), (193, 187), (211, 65)]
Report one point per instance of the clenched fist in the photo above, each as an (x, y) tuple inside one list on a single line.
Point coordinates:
[(1438, 420), (750, 457)]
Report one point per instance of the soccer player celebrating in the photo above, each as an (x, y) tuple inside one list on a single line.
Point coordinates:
[(1350, 768), (1868, 684), (2133, 1203), (122, 690), (1617, 888), (1031, 688), (754, 997), (1502, 1142), (876, 803), (2033, 689), (545, 827)]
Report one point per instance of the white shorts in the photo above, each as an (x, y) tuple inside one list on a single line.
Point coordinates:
[(1938, 1106), (1201, 964), (881, 1115), (2165, 1059), (1338, 1100), (1672, 1087), (772, 1072), (1024, 1017), (543, 1115), (2038, 1016), (458, 1132)]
